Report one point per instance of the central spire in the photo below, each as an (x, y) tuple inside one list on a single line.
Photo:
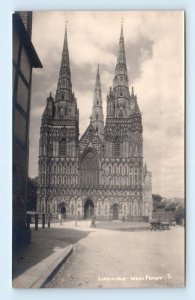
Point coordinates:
[(97, 117), (97, 93)]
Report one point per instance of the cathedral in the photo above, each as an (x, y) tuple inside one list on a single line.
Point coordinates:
[(101, 173)]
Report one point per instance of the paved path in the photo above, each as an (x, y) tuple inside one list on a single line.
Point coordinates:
[(110, 259), (48, 248)]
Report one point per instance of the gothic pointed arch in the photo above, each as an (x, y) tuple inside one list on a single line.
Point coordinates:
[(89, 168), (89, 207), (121, 114)]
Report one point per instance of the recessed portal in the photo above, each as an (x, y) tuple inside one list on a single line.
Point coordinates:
[(88, 209), (115, 212)]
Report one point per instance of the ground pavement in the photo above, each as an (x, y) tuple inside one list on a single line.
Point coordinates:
[(110, 259), (49, 247)]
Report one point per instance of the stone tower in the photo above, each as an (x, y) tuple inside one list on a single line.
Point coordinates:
[(123, 130), (58, 135)]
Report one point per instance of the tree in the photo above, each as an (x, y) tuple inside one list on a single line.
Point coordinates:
[(179, 214), (156, 201), (171, 206), (156, 198)]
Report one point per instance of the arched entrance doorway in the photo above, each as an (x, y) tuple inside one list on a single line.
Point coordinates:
[(62, 209), (115, 212), (88, 209)]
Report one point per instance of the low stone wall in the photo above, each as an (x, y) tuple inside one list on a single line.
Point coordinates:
[(138, 219)]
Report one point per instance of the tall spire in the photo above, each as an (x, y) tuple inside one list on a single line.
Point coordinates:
[(97, 117), (97, 92), (64, 87), (65, 101), (121, 82), (121, 59)]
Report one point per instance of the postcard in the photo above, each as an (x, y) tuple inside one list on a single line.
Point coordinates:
[(98, 149)]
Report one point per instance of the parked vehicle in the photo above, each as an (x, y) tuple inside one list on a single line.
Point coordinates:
[(155, 225), (166, 225), (173, 223), (160, 225)]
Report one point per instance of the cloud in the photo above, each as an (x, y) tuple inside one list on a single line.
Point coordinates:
[(155, 59)]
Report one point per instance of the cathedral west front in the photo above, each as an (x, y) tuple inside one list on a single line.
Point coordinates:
[(102, 173)]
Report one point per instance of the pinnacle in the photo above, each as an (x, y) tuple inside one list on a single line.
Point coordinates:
[(132, 91), (98, 84)]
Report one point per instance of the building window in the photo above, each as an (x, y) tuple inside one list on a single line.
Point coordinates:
[(16, 45), (90, 169), (25, 65), (63, 147), (55, 148), (20, 126), (97, 116), (22, 94), (117, 149), (120, 113)]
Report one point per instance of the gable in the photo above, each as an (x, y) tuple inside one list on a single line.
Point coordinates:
[(90, 139)]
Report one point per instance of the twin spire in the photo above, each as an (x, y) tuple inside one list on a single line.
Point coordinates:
[(120, 82), (64, 88)]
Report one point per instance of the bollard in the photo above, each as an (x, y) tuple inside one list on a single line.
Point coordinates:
[(76, 220), (48, 220), (93, 222), (43, 220), (28, 221), (36, 221), (60, 219)]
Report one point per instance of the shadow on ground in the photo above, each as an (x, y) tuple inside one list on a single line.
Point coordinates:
[(123, 226), (44, 242)]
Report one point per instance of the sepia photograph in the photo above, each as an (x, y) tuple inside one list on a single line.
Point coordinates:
[(98, 149)]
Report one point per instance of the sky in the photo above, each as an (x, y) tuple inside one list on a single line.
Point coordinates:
[(154, 43)]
